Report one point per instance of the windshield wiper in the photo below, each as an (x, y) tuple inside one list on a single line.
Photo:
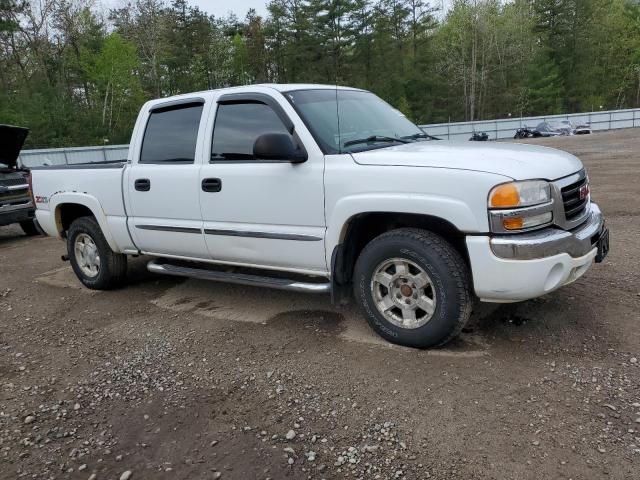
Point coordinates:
[(375, 138), (416, 136)]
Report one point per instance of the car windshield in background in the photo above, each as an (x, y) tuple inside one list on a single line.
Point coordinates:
[(352, 120)]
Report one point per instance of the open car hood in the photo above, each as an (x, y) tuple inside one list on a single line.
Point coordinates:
[(11, 141)]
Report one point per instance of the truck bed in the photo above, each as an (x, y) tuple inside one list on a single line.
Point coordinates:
[(98, 185)]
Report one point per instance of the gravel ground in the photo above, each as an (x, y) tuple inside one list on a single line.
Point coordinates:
[(182, 379)]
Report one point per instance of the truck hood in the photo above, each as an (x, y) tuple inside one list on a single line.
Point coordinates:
[(11, 141), (518, 161)]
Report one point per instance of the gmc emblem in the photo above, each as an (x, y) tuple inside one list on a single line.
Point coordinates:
[(584, 191)]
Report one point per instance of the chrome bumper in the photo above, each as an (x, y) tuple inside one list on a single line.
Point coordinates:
[(16, 207), (16, 213), (551, 241)]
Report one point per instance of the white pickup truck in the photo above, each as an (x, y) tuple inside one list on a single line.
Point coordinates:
[(322, 189)]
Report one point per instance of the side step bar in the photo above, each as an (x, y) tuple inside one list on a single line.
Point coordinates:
[(238, 278)]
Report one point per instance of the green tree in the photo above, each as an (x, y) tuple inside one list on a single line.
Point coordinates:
[(114, 73), (545, 89), (75, 78)]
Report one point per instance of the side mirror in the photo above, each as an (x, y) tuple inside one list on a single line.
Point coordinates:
[(278, 146)]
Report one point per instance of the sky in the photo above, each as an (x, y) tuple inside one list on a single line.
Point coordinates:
[(219, 8)]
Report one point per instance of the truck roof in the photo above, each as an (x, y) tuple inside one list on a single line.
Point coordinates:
[(280, 87), (287, 87)]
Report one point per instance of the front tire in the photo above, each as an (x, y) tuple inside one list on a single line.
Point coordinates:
[(94, 263), (413, 288)]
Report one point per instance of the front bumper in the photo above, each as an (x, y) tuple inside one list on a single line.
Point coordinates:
[(512, 268), (551, 241), (16, 213)]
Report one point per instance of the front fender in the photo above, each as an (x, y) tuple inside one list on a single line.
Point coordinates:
[(58, 199), (453, 210)]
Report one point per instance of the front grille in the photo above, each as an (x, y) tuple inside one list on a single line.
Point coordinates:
[(11, 182), (574, 206), (15, 196), (14, 203)]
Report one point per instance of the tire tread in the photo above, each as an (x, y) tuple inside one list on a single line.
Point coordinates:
[(115, 264), (455, 264)]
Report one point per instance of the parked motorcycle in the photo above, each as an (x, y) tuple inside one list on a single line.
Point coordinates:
[(479, 137), (526, 132)]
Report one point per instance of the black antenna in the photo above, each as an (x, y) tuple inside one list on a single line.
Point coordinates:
[(337, 107)]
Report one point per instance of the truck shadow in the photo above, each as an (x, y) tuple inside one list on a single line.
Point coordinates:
[(552, 318), (137, 273), (291, 316), (492, 326), (13, 235)]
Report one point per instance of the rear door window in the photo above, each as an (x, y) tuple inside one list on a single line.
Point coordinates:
[(171, 134)]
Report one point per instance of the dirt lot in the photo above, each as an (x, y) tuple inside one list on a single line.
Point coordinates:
[(183, 379)]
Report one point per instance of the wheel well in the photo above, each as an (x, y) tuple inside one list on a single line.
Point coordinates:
[(67, 213), (363, 228)]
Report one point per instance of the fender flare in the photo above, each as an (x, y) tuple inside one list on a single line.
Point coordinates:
[(62, 198), (452, 210)]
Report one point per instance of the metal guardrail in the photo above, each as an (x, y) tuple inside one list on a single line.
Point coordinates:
[(73, 156), (496, 129), (506, 128)]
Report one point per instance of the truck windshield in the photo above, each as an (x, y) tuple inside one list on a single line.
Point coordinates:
[(352, 120)]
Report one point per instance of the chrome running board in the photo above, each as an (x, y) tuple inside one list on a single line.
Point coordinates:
[(238, 278)]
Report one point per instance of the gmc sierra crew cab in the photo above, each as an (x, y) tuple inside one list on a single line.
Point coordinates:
[(322, 189)]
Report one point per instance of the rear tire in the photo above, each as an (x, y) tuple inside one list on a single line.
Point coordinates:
[(413, 288), (94, 263), (29, 228)]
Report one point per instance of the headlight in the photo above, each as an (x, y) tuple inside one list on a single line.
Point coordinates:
[(520, 194), (520, 206)]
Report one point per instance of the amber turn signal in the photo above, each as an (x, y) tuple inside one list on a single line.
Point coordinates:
[(505, 196), (513, 223)]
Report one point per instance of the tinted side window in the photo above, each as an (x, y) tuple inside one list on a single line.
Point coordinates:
[(171, 134), (238, 125)]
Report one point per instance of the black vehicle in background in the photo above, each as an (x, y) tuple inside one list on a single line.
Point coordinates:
[(543, 129), (16, 205), (479, 137), (526, 132), (553, 129)]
